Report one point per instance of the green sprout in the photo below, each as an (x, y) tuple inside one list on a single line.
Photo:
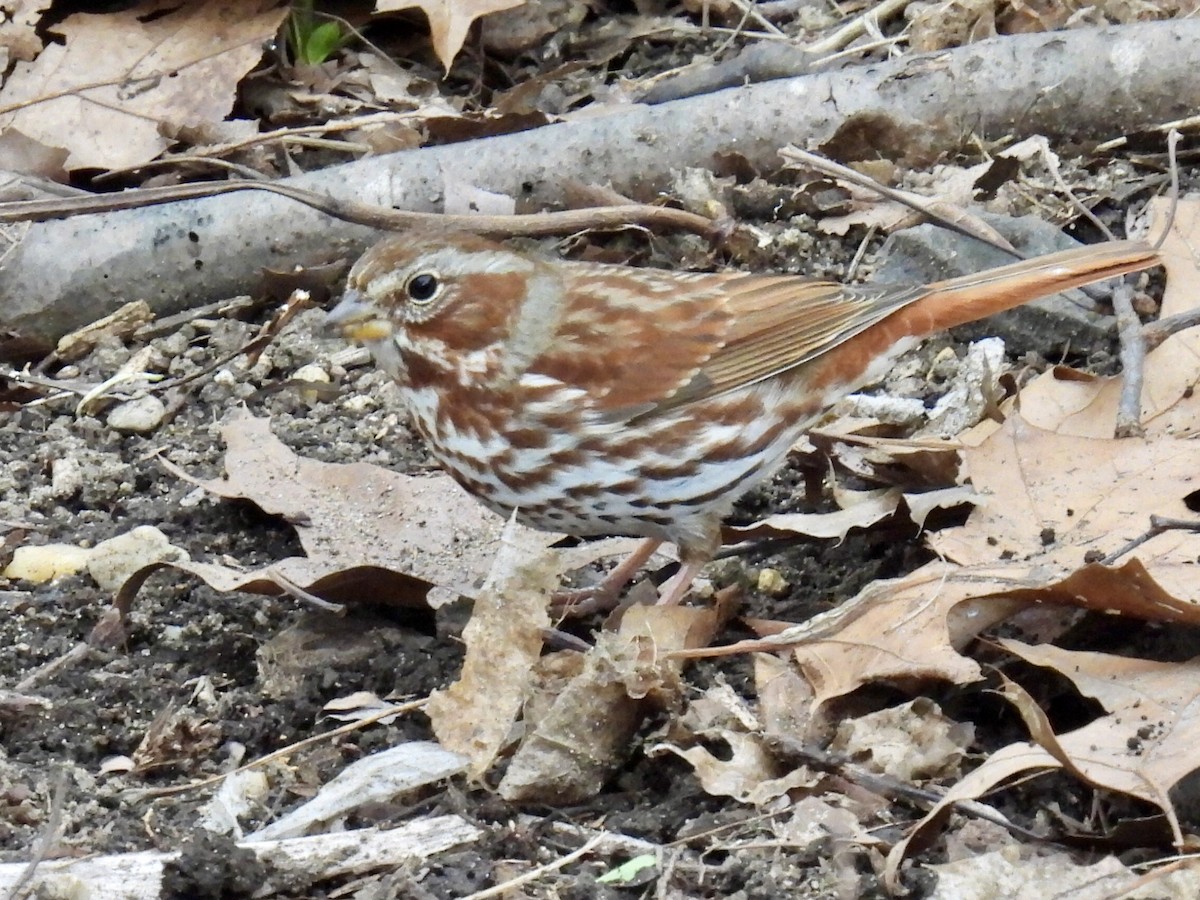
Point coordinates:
[(312, 42)]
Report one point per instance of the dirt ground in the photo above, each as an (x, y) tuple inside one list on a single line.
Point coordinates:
[(252, 673)]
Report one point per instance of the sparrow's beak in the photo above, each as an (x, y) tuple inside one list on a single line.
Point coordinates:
[(358, 319)]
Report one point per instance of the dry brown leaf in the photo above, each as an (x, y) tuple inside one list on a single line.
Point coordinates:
[(449, 20), (32, 159), (585, 733), (838, 524), (749, 771), (120, 84), (18, 30), (1147, 741), (355, 521), (1015, 759), (951, 23), (870, 510), (368, 531), (911, 629), (475, 715), (1054, 499), (898, 631), (1143, 745), (911, 742), (784, 698)]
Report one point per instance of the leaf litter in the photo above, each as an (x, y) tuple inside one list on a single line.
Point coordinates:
[(1052, 506), (998, 562), (1049, 507)]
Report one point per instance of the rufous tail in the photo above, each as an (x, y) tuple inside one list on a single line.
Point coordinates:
[(957, 301)]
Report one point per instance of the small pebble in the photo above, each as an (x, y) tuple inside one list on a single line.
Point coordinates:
[(771, 582), (114, 560), (312, 372), (140, 416), (359, 404), (66, 477)]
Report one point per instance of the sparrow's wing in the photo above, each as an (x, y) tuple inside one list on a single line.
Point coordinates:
[(644, 341)]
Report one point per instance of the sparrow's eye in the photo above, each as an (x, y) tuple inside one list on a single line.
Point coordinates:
[(422, 287)]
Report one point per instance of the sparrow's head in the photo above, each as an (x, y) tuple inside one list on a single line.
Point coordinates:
[(447, 298)]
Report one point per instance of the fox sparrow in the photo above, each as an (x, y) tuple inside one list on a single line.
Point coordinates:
[(599, 399)]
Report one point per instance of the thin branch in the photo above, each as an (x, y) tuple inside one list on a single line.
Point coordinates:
[(561, 222), (1050, 161), (1133, 363), (857, 27), (922, 205), (1157, 332), (535, 874), (887, 786), (294, 590), (1158, 525)]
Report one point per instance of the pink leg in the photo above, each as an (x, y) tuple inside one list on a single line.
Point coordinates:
[(675, 589), (605, 594)]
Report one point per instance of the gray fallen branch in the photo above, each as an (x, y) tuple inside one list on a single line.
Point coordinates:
[(1080, 84)]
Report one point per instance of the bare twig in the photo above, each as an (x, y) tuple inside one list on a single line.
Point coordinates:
[(292, 589), (857, 27), (1157, 332), (922, 205), (1189, 124), (534, 874), (1050, 161), (561, 222), (1158, 525), (72, 656), (1173, 139), (1133, 363), (887, 786)]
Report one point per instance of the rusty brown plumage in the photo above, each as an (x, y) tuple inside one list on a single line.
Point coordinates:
[(601, 399)]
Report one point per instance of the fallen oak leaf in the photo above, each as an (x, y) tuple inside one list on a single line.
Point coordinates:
[(357, 517), (873, 509), (18, 31), (1064, 500), (474, 716), (912, 629), (449, 20), (1143, 746), (1146, 742), (369, 532), (121, 83)]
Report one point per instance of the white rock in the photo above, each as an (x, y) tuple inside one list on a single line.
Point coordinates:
[(66, 477), (114, 560), (46, 562), (312, 372), (140, 416)]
